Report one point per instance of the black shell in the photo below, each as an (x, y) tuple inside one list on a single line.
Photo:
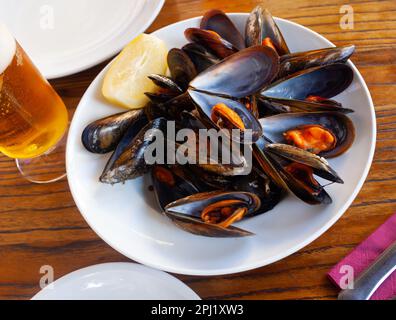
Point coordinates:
[(274, 167), (128, 160), (181, 67), (103, 135), (168, 192), (165, 83), (240, 75), (200, 56), (294, 62), (186, 212), (220, 47), (261, 25), (218, 21), (279, 105), (325, 81), (260, 185)]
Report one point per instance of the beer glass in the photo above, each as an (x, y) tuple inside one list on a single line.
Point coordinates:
[(33, 118)]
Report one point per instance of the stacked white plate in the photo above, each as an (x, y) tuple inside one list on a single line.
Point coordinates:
[(65, 37)]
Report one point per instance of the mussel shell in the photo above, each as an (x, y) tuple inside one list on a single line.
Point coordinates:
[(206, 102), (193, 205), (274, 167), (339, 124), (201, 57), (319, 165), (191, 120), (210, 181), (181, 67), (220, 47), (167, 193), (128, 160), (268, 108), (294, 62), (218, 21), (159, 97), (292, 105), (257, 183), (200, 228), (165, 83), (186, 213), (302, 191), (324, 81), (173, 108), (103, 135), (261, 25), (240, 75)]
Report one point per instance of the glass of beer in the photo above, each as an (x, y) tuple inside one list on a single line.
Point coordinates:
[(33, 118)]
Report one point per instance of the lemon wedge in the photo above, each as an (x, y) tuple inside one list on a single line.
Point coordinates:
[(126, 81)]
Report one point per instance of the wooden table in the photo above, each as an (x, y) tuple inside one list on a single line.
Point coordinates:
[(40, 224)]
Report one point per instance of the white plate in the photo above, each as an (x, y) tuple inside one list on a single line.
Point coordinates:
[(64, 37), (127, 218), (117, 281)]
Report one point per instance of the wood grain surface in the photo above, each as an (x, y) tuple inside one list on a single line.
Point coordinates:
[(40, 224)]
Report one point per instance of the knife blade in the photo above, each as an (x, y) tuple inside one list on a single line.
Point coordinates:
[(369, 281)]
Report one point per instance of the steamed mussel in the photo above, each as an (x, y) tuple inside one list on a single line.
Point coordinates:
[(212, 214), (282, 104), (103, 135)]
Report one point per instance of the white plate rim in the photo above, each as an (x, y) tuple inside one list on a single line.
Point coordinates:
[(291, 250), (190, 294)]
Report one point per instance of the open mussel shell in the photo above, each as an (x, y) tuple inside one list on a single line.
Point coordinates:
[(200, 228), (217, 21), (205, 104), (200, 56), (186, 213), (261, 25), (181, 67), (279, 105), (324, 81), (220, 47), (240, 75), (319, 165), (294, 62), (274, 167), (170, 184), (337, 123), (128, 161), (103, 135)]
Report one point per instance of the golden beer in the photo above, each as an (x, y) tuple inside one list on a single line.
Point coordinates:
[(33, 117)]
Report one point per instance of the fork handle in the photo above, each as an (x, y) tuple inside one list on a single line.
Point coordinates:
[(369, 281)]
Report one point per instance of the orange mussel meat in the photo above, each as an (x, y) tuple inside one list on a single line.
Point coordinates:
[(226, 118), (313, 138)]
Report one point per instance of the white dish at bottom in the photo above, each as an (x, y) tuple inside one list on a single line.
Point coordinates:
[(117, 281)]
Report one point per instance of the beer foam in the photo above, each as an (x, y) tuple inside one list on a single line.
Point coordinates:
[(7, 48)]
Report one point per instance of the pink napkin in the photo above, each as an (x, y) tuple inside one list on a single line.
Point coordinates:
[(365, 254)]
